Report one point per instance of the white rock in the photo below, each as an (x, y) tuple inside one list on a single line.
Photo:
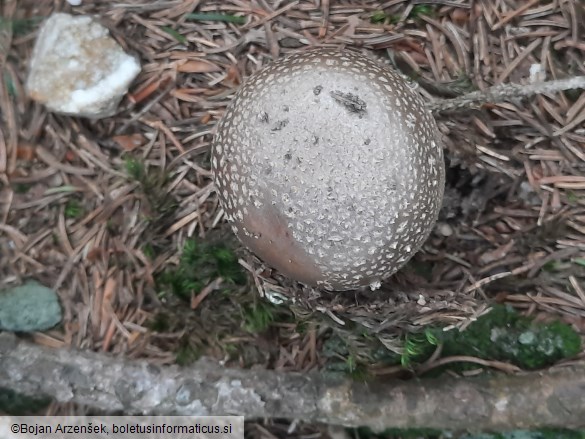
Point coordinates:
[(78, 69), (537, 73), (444, 229)]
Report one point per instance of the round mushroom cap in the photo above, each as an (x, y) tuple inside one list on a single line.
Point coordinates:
[(329, 168)]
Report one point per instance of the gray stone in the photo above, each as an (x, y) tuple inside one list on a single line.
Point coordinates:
[(527, 194), (77, 68), (29, 307)]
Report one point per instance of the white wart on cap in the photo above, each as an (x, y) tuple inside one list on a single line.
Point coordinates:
[(329, 168)]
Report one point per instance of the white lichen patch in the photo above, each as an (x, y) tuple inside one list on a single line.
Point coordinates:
[(231, 396), (502, 404)]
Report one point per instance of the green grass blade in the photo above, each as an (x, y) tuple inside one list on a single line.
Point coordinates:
[(176, 35), (211, 16)]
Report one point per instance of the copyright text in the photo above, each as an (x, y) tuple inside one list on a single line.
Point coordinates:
[(122, 427)]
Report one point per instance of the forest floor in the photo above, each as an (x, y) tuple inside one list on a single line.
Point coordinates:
[(120, 215)]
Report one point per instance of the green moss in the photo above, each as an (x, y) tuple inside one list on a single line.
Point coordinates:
[(554, 266), (427, 433), (201, 263), (302, 327), (418, 347), (572, 197), (213, 16), (573, 94), (187, 354), (530, 434), (173, 33), (153, 183), (352, 356), (395, 433), (420, 10), (356, 370), (505, 335), (73, 209), (10, 87), (423, 269), (378, 17), (22, 188), (351, 368), (227, 264), (16, 404), (258, 316), (21, 26), (502, 335), (112, 227), (148, 250), (558, 433), (135, 169), (230, 349), (417, 11), (160, 323)]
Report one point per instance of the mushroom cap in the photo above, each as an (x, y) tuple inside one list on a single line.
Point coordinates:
[(329, 168)]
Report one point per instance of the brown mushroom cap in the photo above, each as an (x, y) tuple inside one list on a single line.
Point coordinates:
[(329, 168)]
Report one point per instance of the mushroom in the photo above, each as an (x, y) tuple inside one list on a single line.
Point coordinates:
[(329, 168)]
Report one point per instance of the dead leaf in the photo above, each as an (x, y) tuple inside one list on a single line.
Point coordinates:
[(130, 142), (197, 66), (94, 254), (206, 118), (143, 92), (460, 16), (233, 75), (149, 87), (70, 156), (25, 152), (185, 95)]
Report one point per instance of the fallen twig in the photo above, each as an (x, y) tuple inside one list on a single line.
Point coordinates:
[(505, 92), (553, 398)]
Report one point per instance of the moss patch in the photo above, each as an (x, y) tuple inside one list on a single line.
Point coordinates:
[(228, 323), (505, 335), (258, 316), (417, 11), (502, 334), (528, 434), (396, 433), (73, 209), (200, 263), (16, 404), (153, 183), (426, 433)]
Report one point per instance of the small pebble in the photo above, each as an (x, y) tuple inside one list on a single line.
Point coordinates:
[(77, 68), (29, 307), (527, 194), (444, 229)]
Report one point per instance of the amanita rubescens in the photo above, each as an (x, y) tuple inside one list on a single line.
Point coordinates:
[(329, 168)]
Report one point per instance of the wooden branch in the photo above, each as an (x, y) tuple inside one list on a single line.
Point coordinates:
[(505, 92), (552, 399)]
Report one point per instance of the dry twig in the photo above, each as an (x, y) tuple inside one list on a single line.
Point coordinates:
[(551, 399)]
